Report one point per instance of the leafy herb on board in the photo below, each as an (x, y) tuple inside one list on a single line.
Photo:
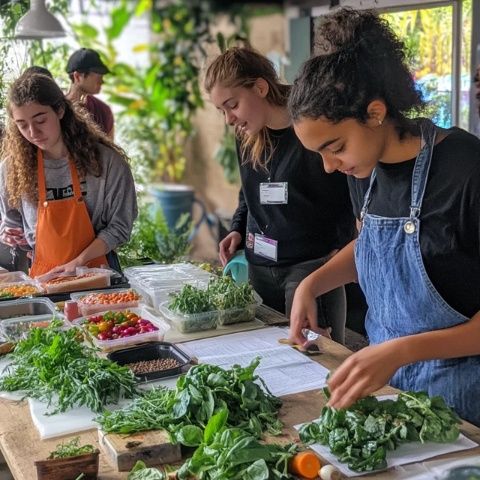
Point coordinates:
[(53, 366), (199, 394), (141, 472), (71, 449), (235, 454), (361, 435)]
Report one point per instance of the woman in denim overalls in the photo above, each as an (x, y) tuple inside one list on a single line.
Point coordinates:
[(350, 103)]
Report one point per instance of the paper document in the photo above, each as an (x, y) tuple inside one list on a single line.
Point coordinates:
[(283, 369)]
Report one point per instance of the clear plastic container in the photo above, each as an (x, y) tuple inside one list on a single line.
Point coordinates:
[(16, 329), (26, 307), (188, 323), (117, 343), (25, 288), (87, 308), (84, 278), (241, 314), (14, 277)]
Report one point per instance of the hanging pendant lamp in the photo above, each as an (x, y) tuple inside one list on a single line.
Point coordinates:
[(38, 23)]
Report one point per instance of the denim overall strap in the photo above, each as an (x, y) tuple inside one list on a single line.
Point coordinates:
[(402, 300)]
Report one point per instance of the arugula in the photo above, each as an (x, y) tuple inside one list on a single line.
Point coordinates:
[(52, 365), (235, 454), (71, 449), (198, 396), (233, 303), (361, 435), (141, 472)]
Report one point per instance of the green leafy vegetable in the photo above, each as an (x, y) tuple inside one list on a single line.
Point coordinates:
[(141, 472), (199, 395), (235, 454), (71, 449), (362, 434), (53, 365)]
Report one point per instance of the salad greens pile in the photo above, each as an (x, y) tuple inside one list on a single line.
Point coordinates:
[(199, 394), (71, 449), (235, 454), (362, 434), (222, 293), (52, 365)]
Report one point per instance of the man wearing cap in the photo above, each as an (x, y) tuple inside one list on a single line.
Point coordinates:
[(86, 71)]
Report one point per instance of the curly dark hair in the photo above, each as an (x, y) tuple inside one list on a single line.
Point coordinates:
[(80, 134), (358, 58)]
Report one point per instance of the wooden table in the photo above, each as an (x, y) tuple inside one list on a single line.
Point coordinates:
[(21, 445)]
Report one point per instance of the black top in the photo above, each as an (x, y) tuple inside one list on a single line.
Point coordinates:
[(450, 216), (318, 217)]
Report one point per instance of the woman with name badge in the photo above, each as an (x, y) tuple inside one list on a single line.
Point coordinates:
[(292, 216), (416, 193), (66, 190)]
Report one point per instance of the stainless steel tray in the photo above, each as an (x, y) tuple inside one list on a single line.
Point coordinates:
[(26, 306)]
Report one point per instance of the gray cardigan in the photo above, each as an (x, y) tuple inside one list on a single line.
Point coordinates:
[(110, 199)]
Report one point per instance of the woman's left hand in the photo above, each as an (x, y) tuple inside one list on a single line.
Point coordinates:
[(362, 373)]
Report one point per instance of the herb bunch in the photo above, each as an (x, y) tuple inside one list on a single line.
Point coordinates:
[(222, 293), (235, 454), (362, 434), (53, 365), (71, 449), (199, 394)]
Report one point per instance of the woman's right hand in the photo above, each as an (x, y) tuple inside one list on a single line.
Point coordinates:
[(303, 314), (13, 236), (228, 246)]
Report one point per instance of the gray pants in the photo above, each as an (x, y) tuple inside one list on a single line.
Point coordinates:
[(277, 285)]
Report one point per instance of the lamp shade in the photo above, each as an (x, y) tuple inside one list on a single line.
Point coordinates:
[(38, 23)]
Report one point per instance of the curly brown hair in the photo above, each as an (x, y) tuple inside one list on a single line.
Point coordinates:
[(80, 135), (241, 67), (358, 59)]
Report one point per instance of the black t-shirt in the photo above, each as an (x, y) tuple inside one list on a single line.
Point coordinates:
[(318, 217), (450, 216)]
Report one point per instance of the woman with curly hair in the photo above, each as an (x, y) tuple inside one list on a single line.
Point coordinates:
[(291, 216), (417, 257), (66, 191)]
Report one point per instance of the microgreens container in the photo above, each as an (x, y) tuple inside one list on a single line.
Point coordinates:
[(152, 351), (15, 329), (69, 468), (118, 343), (89, 308), (188, 323)]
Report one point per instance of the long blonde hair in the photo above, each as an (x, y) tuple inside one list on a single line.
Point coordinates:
[(80, 135), (242, 67)]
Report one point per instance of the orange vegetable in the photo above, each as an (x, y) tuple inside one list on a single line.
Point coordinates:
[(305, 464)]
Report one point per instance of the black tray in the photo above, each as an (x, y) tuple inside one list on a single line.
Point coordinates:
[(152, 351)]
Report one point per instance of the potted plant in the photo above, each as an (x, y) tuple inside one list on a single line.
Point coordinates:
[(69, 461)]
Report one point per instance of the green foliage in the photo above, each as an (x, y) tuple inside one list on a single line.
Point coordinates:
[(160, 100), (226, 155), (141, 472), (222, 293), (362, 434), (52, 365), (151, 238), (235, 454), (201, 393), (71, 449)]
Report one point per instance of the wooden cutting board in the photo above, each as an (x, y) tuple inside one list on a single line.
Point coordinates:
[(153, 448)]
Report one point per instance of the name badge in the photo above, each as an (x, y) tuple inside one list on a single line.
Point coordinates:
[(274, 193), (265, 247)]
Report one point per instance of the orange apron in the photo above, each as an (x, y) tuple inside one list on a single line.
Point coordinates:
[(64, 228)]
